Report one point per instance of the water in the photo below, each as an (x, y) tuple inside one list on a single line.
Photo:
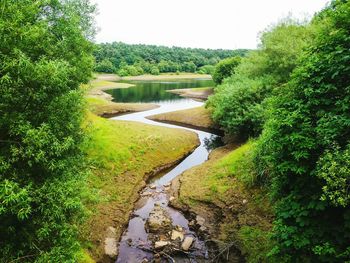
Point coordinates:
[(139, 247), (156, 91)]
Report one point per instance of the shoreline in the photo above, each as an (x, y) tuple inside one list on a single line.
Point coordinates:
[(194, 93)]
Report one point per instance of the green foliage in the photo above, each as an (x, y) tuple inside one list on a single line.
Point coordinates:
[(130, 71), (334, 169), (239, 104), (45, 56), (225, 68), (154, 70), (206, 69), (189, 67), (166, 59), (105, 66), (239, 110), (305, 144)]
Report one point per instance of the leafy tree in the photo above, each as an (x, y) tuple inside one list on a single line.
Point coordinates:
[(130, 71), (189, 67), (206, 69), (305, 147), (241, 112), (239, 104), (225, 68), (45, 55), (154, 70), (105, 66)]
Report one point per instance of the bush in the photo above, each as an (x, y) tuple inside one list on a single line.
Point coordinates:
[(237, 107), (130, 71), (207, 69), (225, 68), (105, 66), (41, 112), (239, 104), (154, 71), (304, 147)]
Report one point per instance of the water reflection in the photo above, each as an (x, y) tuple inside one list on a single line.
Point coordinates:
[(155, 91), (212, 142)]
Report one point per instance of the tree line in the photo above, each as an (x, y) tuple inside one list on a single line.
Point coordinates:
[(136, 59), (291, 97)]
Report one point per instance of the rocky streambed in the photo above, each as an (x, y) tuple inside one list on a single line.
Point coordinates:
[(160, 233)]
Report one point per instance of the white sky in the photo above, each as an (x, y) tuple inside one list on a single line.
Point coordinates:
[(228, 24)]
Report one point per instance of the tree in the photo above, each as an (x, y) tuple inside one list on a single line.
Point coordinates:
[(105, 66), (225, 68), (207, 69), (154, 70), (189, 67), (305, 145), (239, 104), (45, 55)]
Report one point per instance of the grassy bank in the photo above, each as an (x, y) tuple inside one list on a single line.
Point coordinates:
[(221, 190), (198, 118), (122, 155), (105, 108)]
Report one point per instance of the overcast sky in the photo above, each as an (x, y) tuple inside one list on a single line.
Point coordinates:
[(227, 24)]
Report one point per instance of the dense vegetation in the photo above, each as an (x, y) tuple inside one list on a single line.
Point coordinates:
[(125, 59), (225, 68), (255, 78), (45, 55), (292, 94), (297, 93)]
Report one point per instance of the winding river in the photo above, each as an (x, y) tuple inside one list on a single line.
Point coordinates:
[(135, 245)]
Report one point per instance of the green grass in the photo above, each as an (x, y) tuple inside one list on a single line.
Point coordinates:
[(121, 154), (225, 181), (239, 163), (100, 106)]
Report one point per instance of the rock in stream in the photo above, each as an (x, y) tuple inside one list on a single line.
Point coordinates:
[(158, 221)]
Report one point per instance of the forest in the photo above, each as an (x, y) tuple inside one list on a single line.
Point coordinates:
[(132, 60), (277, 186)]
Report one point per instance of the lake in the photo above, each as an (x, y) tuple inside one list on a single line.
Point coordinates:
[(156, 91)]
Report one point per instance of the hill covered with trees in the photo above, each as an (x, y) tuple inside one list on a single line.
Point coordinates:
[(130, 59)]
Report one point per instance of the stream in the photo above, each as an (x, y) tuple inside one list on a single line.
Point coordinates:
[(136, 244)]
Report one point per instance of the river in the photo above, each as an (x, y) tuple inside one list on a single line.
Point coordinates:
[(135, 244)]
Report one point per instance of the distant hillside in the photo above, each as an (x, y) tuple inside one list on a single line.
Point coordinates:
[(127, 59)]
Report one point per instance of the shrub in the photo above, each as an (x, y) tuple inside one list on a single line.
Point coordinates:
[(239, 104), (105, 66), (225, 68), (155, 70), (304, 147), (41, 111), (206, 69), (237, 108)]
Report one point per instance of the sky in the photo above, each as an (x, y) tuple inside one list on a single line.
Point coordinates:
[(227, 24)]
